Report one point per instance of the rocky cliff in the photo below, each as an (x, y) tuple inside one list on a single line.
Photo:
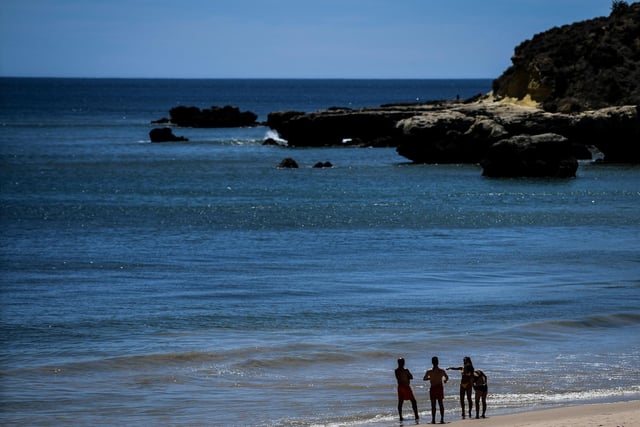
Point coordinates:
[(583, 66), (584, 77)]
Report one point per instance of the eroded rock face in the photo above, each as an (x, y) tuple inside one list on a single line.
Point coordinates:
[(586, 65), (462, 132), (443, 136), (338, 127), (545, 155), (614, 131)]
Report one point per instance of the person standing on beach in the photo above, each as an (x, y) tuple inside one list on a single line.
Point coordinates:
[(482, 389), (466, 383), (404, 377), (437, 377)]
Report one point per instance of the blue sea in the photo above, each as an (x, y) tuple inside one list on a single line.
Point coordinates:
[(195, 283)]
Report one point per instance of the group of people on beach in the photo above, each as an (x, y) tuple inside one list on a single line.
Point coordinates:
[(471, 379)]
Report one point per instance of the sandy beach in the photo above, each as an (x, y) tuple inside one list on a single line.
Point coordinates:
[(622, 414)]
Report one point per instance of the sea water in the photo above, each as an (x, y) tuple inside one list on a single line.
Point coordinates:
[(195, 283)]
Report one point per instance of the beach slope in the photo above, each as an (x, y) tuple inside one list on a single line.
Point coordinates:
[(623, 414)]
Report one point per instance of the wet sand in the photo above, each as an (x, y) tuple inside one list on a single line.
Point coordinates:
[(622, 414)]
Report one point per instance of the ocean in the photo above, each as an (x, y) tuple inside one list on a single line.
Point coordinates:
[(195, 283)]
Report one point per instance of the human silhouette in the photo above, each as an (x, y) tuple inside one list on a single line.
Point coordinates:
[(466, 383), (481, 387), (404, 377), (437, 377)]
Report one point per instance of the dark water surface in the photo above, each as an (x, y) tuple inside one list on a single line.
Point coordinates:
[(196, 283)]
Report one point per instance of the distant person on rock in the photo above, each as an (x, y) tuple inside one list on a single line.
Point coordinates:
[(404, 377)]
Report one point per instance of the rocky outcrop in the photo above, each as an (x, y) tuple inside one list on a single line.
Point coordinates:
[(581, 83), (464, 133), (164, 135), (546, 155), (339, 127), (461, 132), (213, 117), (583, 66)]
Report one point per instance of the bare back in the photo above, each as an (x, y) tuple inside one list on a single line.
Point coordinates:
[(436, 376)]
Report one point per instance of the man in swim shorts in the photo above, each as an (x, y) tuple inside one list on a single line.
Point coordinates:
[(404, 377), (437, 377)]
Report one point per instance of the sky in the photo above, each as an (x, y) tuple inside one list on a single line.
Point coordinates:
[(274, 38)]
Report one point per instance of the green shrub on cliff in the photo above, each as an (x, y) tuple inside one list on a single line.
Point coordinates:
[(619, 6)]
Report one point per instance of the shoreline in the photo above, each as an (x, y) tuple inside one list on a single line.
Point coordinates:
[(616, 414), (619, 414)]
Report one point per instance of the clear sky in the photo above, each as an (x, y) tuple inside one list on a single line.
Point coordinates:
[(274, 38)]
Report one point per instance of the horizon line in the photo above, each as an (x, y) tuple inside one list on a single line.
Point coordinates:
[(242, 78)]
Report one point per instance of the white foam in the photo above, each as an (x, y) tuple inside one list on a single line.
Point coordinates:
[(273, 134)]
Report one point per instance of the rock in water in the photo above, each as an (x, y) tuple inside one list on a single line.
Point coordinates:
[(545, 155), (213, 117), (164, 135), (288, 163)]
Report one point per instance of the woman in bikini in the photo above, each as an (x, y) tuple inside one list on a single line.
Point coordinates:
[(466, 384), (482, 389)]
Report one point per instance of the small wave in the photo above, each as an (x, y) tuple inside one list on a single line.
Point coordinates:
[(591, 322), (129, 363), (294, 361), (233, 360), (520, 400)]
